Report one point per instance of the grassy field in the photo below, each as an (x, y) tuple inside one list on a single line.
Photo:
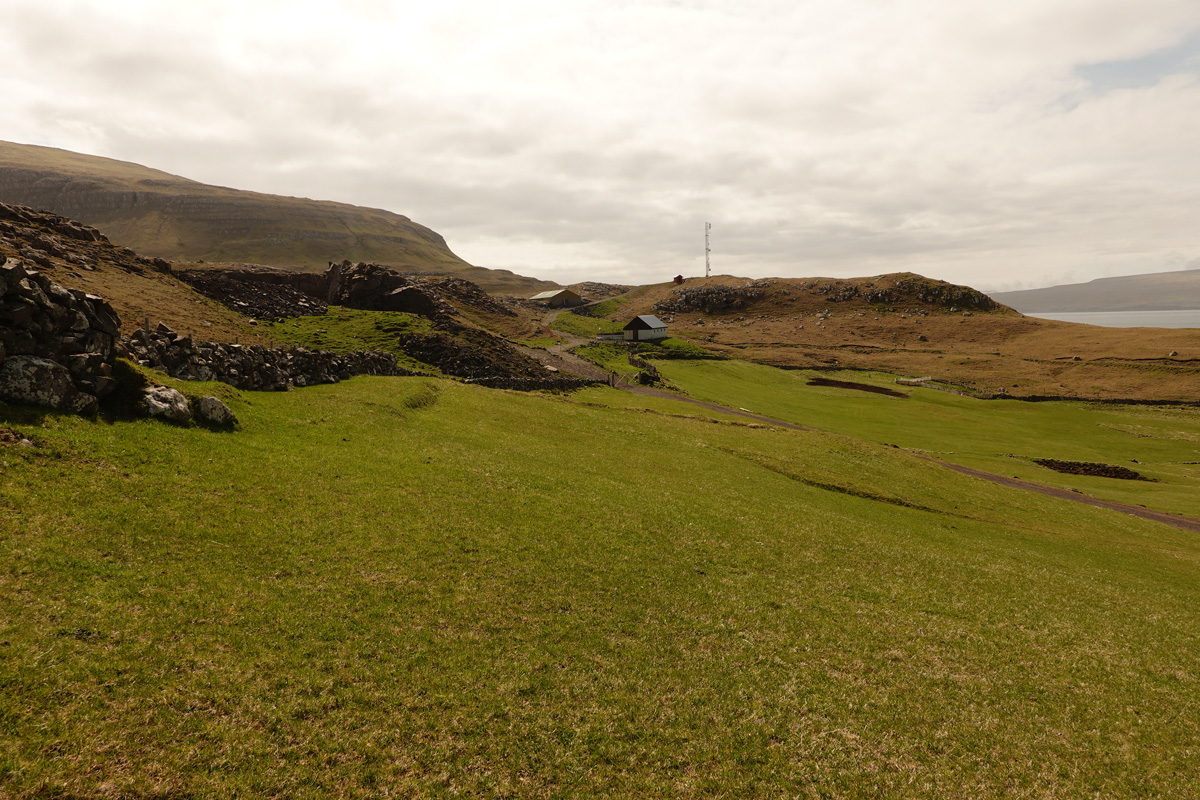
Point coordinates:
[(602, 309), (614, 356), (344, 330), (414, 587), (1000, 436), (574, 324)]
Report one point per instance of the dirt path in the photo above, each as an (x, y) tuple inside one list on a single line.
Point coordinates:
[(558, 357), (1176, 520), (741, 412)]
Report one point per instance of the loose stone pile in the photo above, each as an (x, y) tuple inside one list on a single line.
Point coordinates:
[(242, 291)]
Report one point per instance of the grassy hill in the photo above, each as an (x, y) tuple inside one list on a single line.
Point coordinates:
[(911, 325), (1157, 291), (415, 587), (166, 216)]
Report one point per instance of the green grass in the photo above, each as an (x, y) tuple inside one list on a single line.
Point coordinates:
[(612, 356), (998, 436), (574, 324), (644, 404), (671, 348), (412, 587), (540, 343), (344, 330), (604, 308)]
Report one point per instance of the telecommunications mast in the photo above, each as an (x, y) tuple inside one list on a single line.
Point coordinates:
[(707, 250)]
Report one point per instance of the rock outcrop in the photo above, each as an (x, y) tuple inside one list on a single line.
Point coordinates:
[(267, 293), (882, 293), (710, 299)]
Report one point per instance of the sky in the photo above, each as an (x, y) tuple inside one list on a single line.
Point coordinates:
[(1001, 145)]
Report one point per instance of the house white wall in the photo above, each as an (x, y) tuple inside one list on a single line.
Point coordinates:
[(646, 335)]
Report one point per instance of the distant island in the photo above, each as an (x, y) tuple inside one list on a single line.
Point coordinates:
[(1159, 291)]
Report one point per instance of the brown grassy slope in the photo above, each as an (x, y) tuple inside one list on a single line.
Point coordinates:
[(167, 216), (134, 287), (988, 350)]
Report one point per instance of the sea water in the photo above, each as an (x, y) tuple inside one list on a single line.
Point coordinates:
[(1127, 319)]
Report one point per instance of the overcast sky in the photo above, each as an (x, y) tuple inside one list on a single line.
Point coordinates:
[(1000, 144)]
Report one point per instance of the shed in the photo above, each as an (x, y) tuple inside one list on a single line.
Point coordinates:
[(645, 327), (558, 298)]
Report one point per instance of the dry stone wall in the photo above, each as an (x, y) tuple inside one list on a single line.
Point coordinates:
[(253, 367), (56, 344)]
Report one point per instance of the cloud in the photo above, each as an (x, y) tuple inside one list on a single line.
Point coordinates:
[(593, 139)]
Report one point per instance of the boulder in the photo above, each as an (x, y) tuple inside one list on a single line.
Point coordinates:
[(30, 380), (165, 402), (214, 412)]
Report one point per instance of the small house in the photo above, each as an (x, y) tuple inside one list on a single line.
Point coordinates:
[(644, 328), (558, 298)]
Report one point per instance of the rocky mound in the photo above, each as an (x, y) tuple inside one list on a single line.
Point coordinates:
[(712, 299), (899, 292), (472, 353), (459, 292)]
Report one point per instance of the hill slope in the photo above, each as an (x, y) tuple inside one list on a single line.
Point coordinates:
[(911, 325), (1159, 291), (408, 587), (167, 216)]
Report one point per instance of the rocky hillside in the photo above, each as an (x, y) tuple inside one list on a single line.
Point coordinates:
[(139, 288), (904, 291), (166, 216), (214, 323)]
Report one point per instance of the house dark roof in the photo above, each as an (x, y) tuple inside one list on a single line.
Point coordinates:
[(645, 322)]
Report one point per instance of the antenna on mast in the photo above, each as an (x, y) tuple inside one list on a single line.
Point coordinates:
[(707, 250)]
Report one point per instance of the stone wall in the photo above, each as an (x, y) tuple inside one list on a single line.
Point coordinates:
[(253, 367), (56, 344)]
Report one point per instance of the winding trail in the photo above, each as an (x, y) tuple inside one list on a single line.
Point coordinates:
[(559, 357), (1175, 520)]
